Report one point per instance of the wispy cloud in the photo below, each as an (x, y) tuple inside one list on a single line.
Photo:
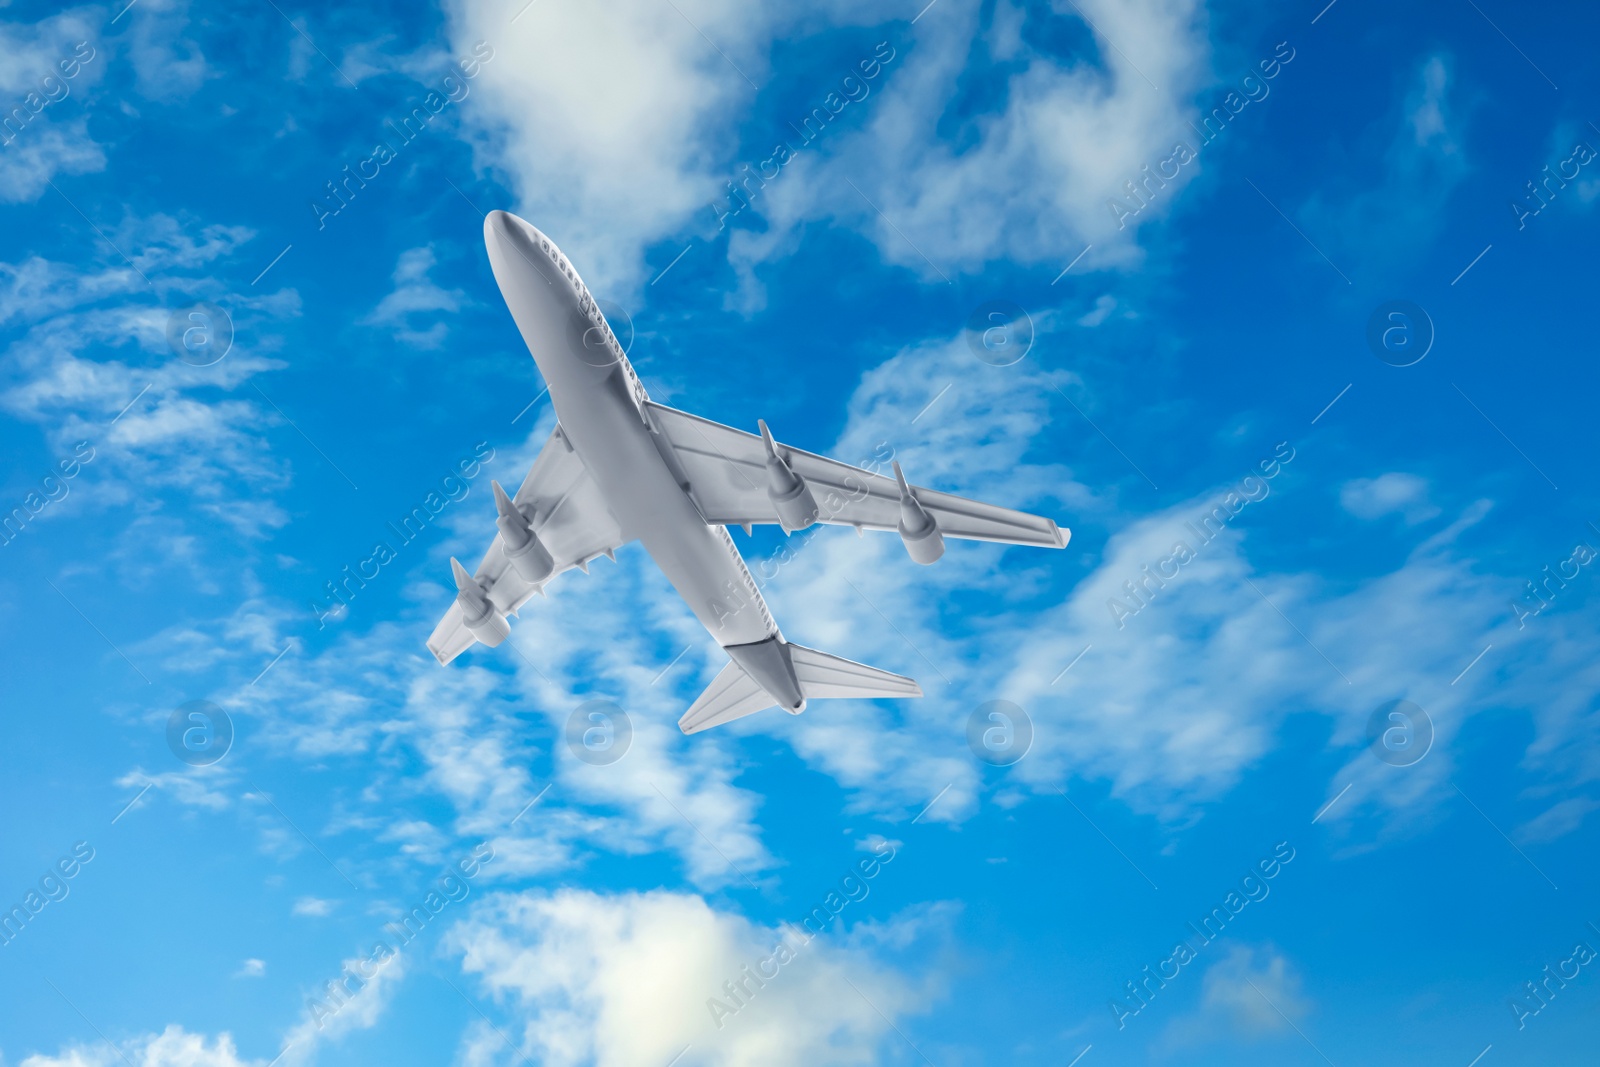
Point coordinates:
[(415, 296)]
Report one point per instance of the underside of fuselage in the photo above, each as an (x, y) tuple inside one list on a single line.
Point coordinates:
[(592, 388)]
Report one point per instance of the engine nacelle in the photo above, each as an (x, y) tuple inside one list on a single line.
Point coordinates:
[(790, 495), (918, 529), (477, 612), (524, 551)]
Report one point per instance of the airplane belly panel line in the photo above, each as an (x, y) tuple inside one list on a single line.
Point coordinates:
[(621, 468)]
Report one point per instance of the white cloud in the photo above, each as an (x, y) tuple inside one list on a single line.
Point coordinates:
[(360, 1007), (62, 148), (1252, 992), (1393, 493), (173, 1047), (164, 244), (1251, 987), (613, 121), (625, 132), (1417, 162), (200, 787), (251, 968), (1018, 180), (415, 295), (1427, 104), (347, 1003), (626, 979), (92, 343), (606, 634), (45, 132), (167, 64), (1561, 685), (1557, 821), (367, 693), (1194, 688), (1103, 307), (313, 906)]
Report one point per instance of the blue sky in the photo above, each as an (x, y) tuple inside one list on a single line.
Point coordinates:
[(1200, 341)]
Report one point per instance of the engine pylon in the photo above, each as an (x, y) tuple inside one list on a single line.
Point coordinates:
[(478, 614), (790, 495), (918, 530), (524, 551)]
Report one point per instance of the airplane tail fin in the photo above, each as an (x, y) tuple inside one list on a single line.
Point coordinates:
[(733, 694)]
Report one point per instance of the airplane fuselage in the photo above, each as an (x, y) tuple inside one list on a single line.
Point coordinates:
[(599, 402)]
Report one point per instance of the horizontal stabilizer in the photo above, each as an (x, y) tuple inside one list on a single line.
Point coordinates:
[(822, 676), (733, 694)]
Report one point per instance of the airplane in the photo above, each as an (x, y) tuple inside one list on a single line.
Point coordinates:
[(620, 467)]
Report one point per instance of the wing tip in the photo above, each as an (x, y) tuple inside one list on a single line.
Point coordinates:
[(699, 724)]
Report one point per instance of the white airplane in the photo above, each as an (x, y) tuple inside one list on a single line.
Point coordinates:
[(620, 467)]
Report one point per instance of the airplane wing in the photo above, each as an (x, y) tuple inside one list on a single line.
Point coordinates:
[(727, 476), (572, 520)]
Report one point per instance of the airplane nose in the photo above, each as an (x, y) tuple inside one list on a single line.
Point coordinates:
[(516, 249), (504, 228), (543, 303)]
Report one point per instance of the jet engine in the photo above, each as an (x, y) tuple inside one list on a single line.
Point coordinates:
[(478, 614), (791, 497), (524, 551), (924, 543)]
